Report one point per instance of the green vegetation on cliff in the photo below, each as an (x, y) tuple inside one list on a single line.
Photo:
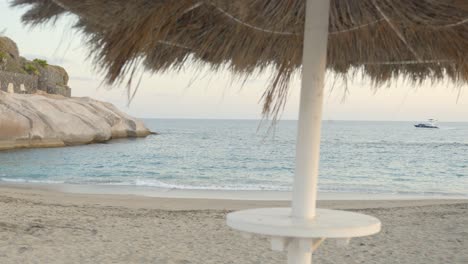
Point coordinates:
[(42, 63), (3, 60), (31, 68)]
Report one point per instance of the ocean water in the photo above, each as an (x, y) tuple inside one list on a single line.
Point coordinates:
[(361, 157)]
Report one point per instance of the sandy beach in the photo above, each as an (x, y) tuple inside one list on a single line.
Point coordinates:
[(347, 105), (46, 226)]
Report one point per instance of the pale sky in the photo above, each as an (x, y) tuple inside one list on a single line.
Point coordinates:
[(203, 94)]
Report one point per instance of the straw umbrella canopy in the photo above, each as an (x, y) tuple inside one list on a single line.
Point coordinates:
[(382, 39)]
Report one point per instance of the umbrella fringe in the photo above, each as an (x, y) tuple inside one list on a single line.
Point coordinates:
[(416, 39)]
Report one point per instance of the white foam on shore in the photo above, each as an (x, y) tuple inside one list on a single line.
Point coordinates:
[(218, 194), (17, 180), (163, 185), (152, 183)]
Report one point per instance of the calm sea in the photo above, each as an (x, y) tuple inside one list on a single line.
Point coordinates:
[(364, 157)]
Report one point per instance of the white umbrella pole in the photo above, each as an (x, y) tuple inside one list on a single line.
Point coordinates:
[(310, 119), (299, 231)]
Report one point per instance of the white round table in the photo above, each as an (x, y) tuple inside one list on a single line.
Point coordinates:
[(327, 223), (302, 235)]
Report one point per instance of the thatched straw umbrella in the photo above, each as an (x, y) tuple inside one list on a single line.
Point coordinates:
[(382, 39)]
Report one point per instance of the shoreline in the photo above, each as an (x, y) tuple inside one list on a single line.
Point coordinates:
[(176, 200), (248, 195)]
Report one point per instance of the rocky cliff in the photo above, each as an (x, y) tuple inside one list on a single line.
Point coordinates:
[(10, 59), (19, 75), (43, 120)]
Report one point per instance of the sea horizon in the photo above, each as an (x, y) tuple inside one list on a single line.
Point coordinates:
[(295, 120)]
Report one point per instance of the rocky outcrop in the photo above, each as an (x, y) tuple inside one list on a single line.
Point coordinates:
[(10, 59), (19, 75), (43, 120)]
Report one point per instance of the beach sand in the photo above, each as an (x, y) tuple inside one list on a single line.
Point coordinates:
[(47, 226)]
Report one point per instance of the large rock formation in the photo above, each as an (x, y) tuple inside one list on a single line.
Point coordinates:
[(43, 120), (10, 59), (19, 75)]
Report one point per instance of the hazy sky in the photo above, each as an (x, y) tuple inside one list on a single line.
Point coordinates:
[(194, 94)]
